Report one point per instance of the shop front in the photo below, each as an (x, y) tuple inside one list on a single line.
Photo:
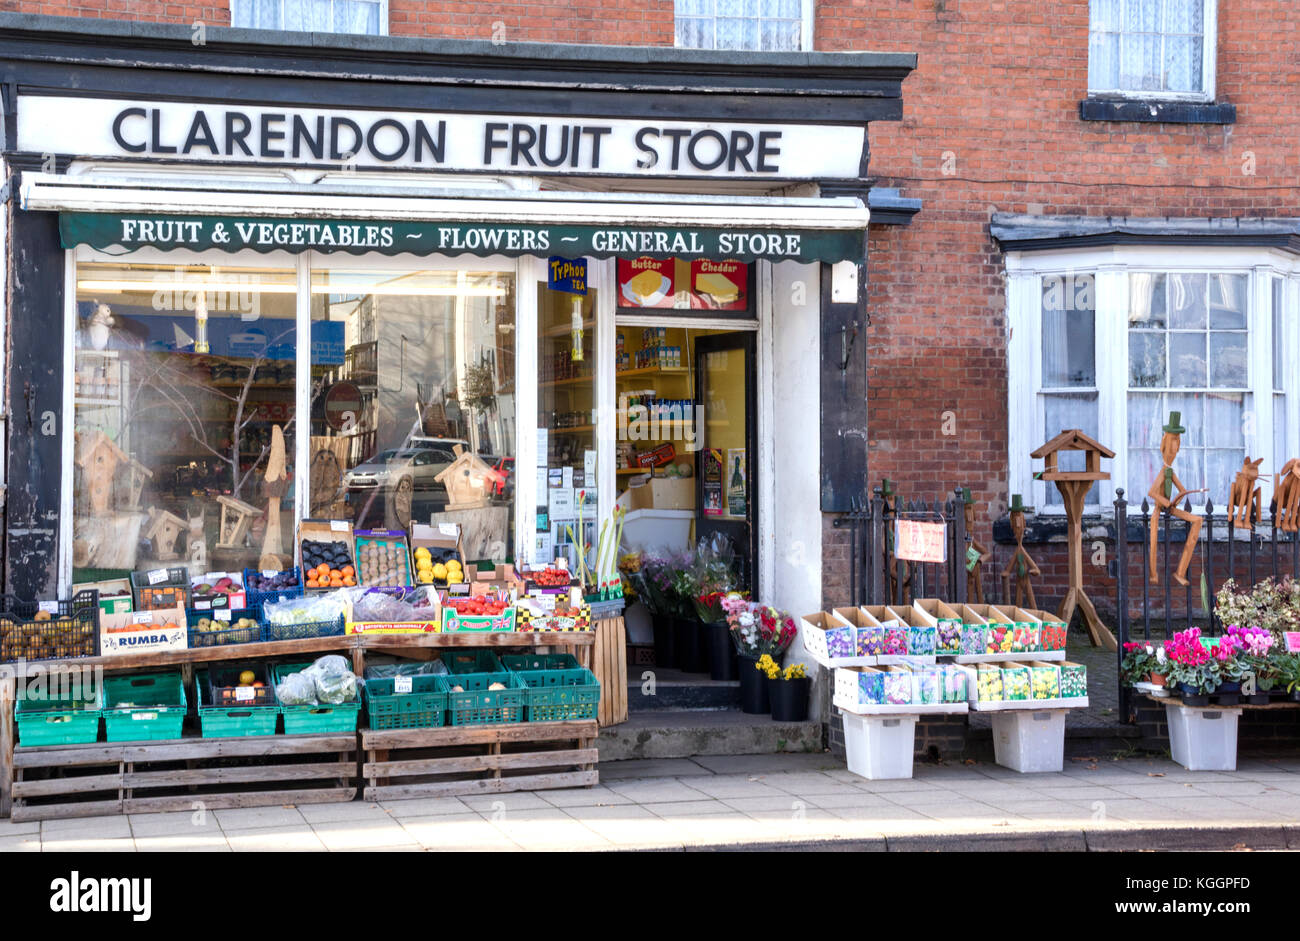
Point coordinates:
[(277, 316)]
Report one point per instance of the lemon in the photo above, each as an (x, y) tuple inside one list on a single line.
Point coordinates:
[(455, 578), (423, 553), (247, 677), (454, 565), (440, 571)]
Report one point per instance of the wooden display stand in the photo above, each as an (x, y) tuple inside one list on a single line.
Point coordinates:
[(609, 663), (113, 787), (478, 759), (1074, 487), (151, 777)]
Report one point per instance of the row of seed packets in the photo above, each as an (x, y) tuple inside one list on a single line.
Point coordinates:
[(1032, 680), (903, 685), (928, 628)]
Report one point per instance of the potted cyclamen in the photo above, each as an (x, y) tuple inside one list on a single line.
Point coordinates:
[(1260, 669), (1231, 671), (787, 689), (1141, 663), (1192, 667)]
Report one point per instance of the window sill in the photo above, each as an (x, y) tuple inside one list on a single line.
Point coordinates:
[(1156, 111)]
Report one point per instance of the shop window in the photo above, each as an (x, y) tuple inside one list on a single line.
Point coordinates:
[(1120, 349), (366, 17), (767, 25), (1152, 48), (412, 372), (182, 376)]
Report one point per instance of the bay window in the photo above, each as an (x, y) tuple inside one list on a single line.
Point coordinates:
[(1112, 343)]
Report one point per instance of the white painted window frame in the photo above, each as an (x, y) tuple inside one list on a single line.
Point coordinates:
[(807, 21), (1209, 53), (381, 4), (1025, 408)]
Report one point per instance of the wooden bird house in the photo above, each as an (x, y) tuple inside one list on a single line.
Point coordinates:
[(468, 480), (1073, 440), (236, 517), (136, 476), (162, 530), (98, 457)]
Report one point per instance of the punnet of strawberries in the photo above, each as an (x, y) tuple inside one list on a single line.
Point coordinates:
[(552, 576), (477, 607)]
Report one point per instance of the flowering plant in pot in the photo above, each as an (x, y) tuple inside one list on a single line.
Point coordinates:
[(1192, 667), (1143, 663), (787, 689), (1256, 646), (1230, 668), (1288, 669)]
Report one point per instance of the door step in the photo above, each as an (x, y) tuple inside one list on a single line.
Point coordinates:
[(666, 733), (650, 689)]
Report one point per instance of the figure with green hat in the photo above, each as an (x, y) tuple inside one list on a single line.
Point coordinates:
[(1021, 563), (1163, 493), (976, 554)]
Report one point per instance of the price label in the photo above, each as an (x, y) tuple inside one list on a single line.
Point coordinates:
[(202, 605), (338, 526), (143, 716), (245, 694), (269, 573), (142, 617), (49, 607), (222, 615), (157, 576), (401, 684), (449, 529), (1292, 639)]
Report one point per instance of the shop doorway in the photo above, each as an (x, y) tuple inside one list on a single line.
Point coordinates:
[(725, 399)]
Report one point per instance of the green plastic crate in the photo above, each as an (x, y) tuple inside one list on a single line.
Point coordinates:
[(516, 663), (561, 695), (144, 707), (304, 720), (231, 721), (425, 706), (478, 705), (472, 661), (64, 720)]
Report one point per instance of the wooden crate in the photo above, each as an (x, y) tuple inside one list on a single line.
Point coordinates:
[(482, 759), (146, 777), (609, 663)]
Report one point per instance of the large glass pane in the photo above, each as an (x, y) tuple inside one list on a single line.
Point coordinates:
[(1069, 411), (1069, 331), (1279, 338), (1227, 301), (1144, 419), (1187, 366), (1146, 358), (1225, 420), (1191, 406), (412, 372), (566, 420), (183, 376)]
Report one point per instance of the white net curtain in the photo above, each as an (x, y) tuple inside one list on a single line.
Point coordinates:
[(1147, 46), (321, 16), (766, 25)]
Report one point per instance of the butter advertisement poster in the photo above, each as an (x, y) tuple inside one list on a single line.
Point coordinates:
[(683, 285)]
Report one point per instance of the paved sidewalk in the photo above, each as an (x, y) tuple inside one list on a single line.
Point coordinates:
[(763, 800)]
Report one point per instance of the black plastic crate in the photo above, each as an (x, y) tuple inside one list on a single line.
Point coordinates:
[(69, 633)]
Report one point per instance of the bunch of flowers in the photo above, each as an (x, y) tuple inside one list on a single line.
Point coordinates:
[(794, 672), (1273, 606), (629, 567), (768, 667), (657, 580), (713, 576), (1256, 654), (758, 630)]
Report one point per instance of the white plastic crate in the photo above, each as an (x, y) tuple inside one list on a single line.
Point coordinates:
[(1203, 739), (879, 747), (1029, 741)]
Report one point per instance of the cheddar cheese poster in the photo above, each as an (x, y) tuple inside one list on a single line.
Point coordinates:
[(683, 284)]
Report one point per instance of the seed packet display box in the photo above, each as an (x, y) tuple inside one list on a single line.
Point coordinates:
[(1011, 705), (339, 531), (847, 699), (845, 636)]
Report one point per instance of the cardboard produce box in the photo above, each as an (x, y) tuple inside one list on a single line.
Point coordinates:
[(143, 632), (443, 543), (325, 531), (502, 578), (663, 493), (222, 594), (114, 595)]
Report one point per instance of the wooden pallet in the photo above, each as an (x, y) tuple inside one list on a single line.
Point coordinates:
[(183, 774), (479, 759)]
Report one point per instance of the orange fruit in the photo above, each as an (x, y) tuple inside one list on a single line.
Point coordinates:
[(349, 580), (336, 583), (312, 583), (349, 570), (335, 573)]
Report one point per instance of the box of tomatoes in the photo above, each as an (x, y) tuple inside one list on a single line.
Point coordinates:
[(490, 612)]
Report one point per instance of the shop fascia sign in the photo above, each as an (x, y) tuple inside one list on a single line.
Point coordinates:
[(234, 233), (219, 132)]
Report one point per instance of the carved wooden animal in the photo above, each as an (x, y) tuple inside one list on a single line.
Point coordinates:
[(1287, 494), (1244, 493)]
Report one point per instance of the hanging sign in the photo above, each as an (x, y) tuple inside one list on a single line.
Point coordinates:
[(567, 275), (920, 542), (105, 230)]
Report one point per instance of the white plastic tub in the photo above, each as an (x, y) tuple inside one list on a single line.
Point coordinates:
[(654, 529), (879, 747), (1029, 740), (1203, 738)]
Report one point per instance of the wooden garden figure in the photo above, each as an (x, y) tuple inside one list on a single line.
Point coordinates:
[(98, 458), (1163, 493), (1021, 564), (1287, 495), (1074, 487), (275, 484), (977, 555), (1244, 493), (890, 500)]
